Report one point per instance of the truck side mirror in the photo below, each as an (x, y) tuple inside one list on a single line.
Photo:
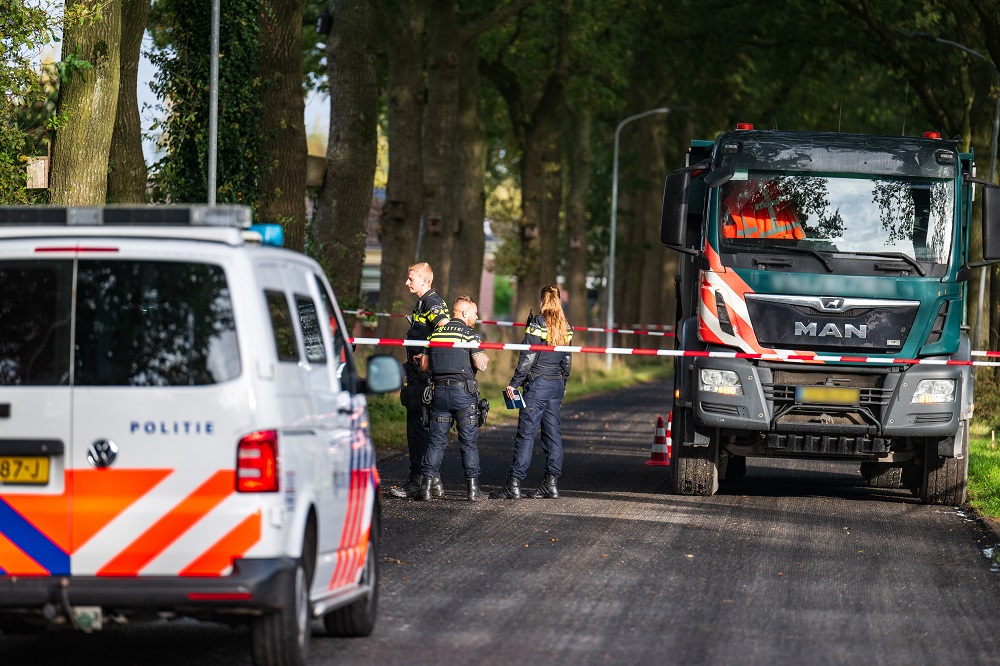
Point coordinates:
[(991, 223), (673, 221)]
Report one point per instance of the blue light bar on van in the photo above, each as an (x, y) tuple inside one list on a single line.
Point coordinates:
[(271, 234), (238, 217)]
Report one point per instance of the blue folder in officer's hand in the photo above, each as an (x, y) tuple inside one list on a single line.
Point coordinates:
[(517, 402)]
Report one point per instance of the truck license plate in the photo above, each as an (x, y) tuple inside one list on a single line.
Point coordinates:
[(827, 395), (24, 469)]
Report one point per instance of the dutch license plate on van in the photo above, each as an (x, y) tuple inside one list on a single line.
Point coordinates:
[(24, 469), (827, 395)]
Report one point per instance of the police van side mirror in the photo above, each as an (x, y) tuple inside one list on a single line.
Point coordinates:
[(385, 374), (991, 223), (673, 220)]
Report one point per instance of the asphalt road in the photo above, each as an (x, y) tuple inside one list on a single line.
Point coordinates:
[(798, 564)]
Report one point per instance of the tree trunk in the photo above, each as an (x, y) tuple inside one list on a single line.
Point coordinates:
[(440, 124), (346, 196), (470, 182), (532, 212), (126, 164), (404, 30), (87, 100), (552, 164), (652, 147), (577, 255), (629, 256), (283, 183)]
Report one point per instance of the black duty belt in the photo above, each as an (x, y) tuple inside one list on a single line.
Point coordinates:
[(450, 382)]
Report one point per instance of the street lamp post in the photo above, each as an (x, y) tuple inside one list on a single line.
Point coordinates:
[(993, 152), (614, 226), (213, 103)]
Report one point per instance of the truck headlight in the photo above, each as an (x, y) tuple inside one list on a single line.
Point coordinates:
[(934, 390), (725, 382)]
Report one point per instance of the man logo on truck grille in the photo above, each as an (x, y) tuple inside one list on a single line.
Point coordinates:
[(831, 330), (832, 304), (102, 453)]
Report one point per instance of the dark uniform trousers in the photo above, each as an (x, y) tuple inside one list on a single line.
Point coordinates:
[(417, 434), (448, 402), (542, 399)]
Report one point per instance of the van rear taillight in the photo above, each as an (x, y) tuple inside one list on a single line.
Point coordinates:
[(257, 463)]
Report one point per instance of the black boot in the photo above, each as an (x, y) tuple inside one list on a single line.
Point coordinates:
[(547, 490), (437, 488), (424, 492), (509, 490), (409, 488), (475, 494)]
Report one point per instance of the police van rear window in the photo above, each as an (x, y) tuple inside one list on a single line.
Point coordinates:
[(138, 323)]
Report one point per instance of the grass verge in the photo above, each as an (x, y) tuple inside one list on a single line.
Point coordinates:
[(388, 417), (984, 472)]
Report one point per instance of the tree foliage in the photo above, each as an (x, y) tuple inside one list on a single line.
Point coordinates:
[(25, 31), (181, 30)]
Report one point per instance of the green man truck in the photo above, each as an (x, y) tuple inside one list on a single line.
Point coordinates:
[(821, 306)]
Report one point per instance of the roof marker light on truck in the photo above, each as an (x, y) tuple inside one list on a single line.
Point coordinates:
[(932, 135), (744, 126)]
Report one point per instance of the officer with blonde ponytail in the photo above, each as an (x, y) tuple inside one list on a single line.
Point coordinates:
[(543, 375)]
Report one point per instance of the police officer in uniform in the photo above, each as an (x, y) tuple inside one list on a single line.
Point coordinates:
[(430, 312), (456, 398), (543, 375)]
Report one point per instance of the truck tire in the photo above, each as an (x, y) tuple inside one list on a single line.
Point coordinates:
[(696, 468), (281, 638), (945, 480), (882, 475), (358, 618), (736, 469)]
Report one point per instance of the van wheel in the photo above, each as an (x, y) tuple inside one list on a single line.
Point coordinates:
[(696, 468), (281, 638), (945, 480), (358, 618)]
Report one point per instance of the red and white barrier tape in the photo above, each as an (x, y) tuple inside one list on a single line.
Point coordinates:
[(793, 358), (638, 329)]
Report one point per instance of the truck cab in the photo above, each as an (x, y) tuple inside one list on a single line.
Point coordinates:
[(821, 304)]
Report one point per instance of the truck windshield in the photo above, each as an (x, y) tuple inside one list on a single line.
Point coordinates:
[(830, 214)]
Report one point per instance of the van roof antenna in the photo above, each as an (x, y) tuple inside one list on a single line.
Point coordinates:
[(769, 106), (906, 103)]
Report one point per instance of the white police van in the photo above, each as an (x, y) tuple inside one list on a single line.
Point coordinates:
[(182, 429)]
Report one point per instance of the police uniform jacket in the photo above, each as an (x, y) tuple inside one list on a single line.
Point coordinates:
[(534, 364), (453, 363), (427, 313)]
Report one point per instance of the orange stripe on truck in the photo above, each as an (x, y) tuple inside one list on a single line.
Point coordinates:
[(218, 558), (170, 527)]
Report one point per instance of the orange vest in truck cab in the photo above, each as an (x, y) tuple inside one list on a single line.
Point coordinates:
[(758, 212)]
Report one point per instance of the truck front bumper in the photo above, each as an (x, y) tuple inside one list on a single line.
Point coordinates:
[(769, 402)]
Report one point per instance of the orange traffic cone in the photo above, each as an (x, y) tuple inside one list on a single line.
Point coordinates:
[(660, 455)]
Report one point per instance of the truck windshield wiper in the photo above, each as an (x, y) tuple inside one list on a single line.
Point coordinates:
[(793, 249), (893, 255)]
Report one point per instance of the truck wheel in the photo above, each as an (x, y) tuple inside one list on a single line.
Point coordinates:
[(945, 480), (882, 475), (736, 469), (696, 468), (281, 638), (358, 619)]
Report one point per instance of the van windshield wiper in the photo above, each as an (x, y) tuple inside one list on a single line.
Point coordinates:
[(892, 255), (777, 249)]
